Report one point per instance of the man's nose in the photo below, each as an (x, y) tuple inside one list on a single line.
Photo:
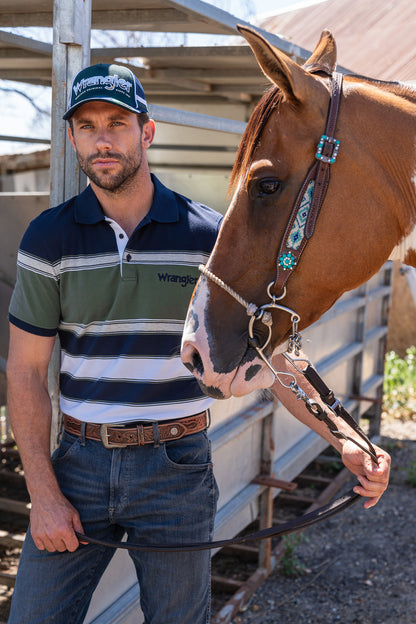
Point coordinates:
[(103, 139)]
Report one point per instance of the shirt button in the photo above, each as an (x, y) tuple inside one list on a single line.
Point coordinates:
[(128, 257), (121, 235)]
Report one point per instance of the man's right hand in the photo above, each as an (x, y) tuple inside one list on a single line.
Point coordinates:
[(53, 524)]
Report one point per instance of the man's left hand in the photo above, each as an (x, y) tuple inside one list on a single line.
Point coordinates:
[(373, 479)]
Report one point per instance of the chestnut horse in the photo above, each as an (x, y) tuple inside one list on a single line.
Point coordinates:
[(367, 215)]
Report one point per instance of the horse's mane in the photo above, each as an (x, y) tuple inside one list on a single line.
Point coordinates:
[(253, 131), (401, 89)]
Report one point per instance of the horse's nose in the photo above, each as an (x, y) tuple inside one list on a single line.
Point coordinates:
[(191, 358)]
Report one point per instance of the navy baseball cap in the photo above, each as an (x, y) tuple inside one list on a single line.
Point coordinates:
[(109, 83)]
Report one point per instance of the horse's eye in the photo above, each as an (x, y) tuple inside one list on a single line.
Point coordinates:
[(268, 186)]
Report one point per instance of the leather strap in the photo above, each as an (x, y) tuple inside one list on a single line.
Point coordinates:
[(277, 530), (336, 406), (116, 436), (319, 174)]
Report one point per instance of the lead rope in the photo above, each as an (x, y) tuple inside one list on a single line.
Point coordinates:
[(263, 314)]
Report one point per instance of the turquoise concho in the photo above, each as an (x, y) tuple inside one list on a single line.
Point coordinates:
[(287, 261)]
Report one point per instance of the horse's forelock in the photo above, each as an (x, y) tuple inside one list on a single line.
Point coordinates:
[(252, 133)]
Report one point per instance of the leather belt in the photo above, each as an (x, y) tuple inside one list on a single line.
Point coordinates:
[(115, 435)]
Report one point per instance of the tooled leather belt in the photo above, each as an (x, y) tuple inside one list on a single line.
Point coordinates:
[(119, 435)]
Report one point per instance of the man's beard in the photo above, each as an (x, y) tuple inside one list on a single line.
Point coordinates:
[(114, 182)]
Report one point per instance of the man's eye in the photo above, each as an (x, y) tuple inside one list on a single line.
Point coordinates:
[(268, 186)]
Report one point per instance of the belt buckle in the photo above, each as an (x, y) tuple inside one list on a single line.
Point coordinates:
[(104, 435)]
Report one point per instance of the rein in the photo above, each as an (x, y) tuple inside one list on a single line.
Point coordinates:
[(298, 231), (278, 530)]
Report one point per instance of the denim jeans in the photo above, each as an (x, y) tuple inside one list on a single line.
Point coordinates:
[(154, 494)]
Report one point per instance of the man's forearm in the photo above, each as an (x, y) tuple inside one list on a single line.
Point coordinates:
[(30, 417)]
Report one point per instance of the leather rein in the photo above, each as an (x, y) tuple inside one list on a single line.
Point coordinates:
[(306, 210)]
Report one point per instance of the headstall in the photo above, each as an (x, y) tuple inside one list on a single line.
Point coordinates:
[(299, 230)]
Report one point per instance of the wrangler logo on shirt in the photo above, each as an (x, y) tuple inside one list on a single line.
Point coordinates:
[(183, 280)]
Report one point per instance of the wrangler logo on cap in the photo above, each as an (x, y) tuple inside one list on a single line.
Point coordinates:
[(108, 82)]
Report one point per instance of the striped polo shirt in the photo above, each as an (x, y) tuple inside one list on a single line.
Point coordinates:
[(117, 303)]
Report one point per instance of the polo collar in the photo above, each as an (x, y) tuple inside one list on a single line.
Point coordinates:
[(164, 208), (87, 208)]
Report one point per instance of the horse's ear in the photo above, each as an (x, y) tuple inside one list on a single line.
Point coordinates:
[(295, 82), (324, 56)]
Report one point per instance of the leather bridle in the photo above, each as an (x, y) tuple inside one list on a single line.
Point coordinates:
[(299, 229), (305, 211)]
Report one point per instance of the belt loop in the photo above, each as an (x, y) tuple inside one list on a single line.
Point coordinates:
[(140, 435), (82, 433), (156, 435), (208, 413)]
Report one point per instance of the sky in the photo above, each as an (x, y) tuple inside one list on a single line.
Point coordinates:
[(19, 118)]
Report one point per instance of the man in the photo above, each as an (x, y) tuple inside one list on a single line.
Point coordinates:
[(112, 271)]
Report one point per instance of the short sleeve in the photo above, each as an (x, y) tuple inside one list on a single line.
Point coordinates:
[(35, 303)]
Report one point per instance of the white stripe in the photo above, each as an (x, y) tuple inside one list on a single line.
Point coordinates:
[(105, 413), (79, 263), (124, 368), (32, 263), (169, 257), (90, 261), (149, 326)]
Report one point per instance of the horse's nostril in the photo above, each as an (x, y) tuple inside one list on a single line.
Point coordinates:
[(191, 359), (197, 363)]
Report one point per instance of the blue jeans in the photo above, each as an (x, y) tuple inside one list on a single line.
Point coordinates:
[(163, 494)]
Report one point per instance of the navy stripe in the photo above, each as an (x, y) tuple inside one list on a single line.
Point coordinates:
[(32, 329), (137, 345), (65, 237), (130, 392)]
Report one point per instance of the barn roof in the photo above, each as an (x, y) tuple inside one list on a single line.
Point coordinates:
[(228, 72), (374, 38)]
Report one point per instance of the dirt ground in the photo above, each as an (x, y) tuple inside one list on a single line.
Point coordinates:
[(358, 567)]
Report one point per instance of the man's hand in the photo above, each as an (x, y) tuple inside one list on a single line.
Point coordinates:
[(53, 524), (373, 479)]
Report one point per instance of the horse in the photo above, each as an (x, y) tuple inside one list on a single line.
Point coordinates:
[(311, 215)]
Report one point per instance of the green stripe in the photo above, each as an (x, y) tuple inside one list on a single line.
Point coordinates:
[(35, 299), (102, 294)]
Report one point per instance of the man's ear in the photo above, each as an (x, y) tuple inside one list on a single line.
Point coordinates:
[(70, 136), (148, 133)]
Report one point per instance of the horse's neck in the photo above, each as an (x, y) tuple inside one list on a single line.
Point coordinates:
[(405, 250)]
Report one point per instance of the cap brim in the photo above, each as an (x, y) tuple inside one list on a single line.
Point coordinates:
[(72, 109)]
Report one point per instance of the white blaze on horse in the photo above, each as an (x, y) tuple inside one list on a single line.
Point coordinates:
[(293, 241)]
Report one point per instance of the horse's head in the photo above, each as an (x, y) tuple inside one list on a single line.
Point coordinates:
[(277, 151)]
